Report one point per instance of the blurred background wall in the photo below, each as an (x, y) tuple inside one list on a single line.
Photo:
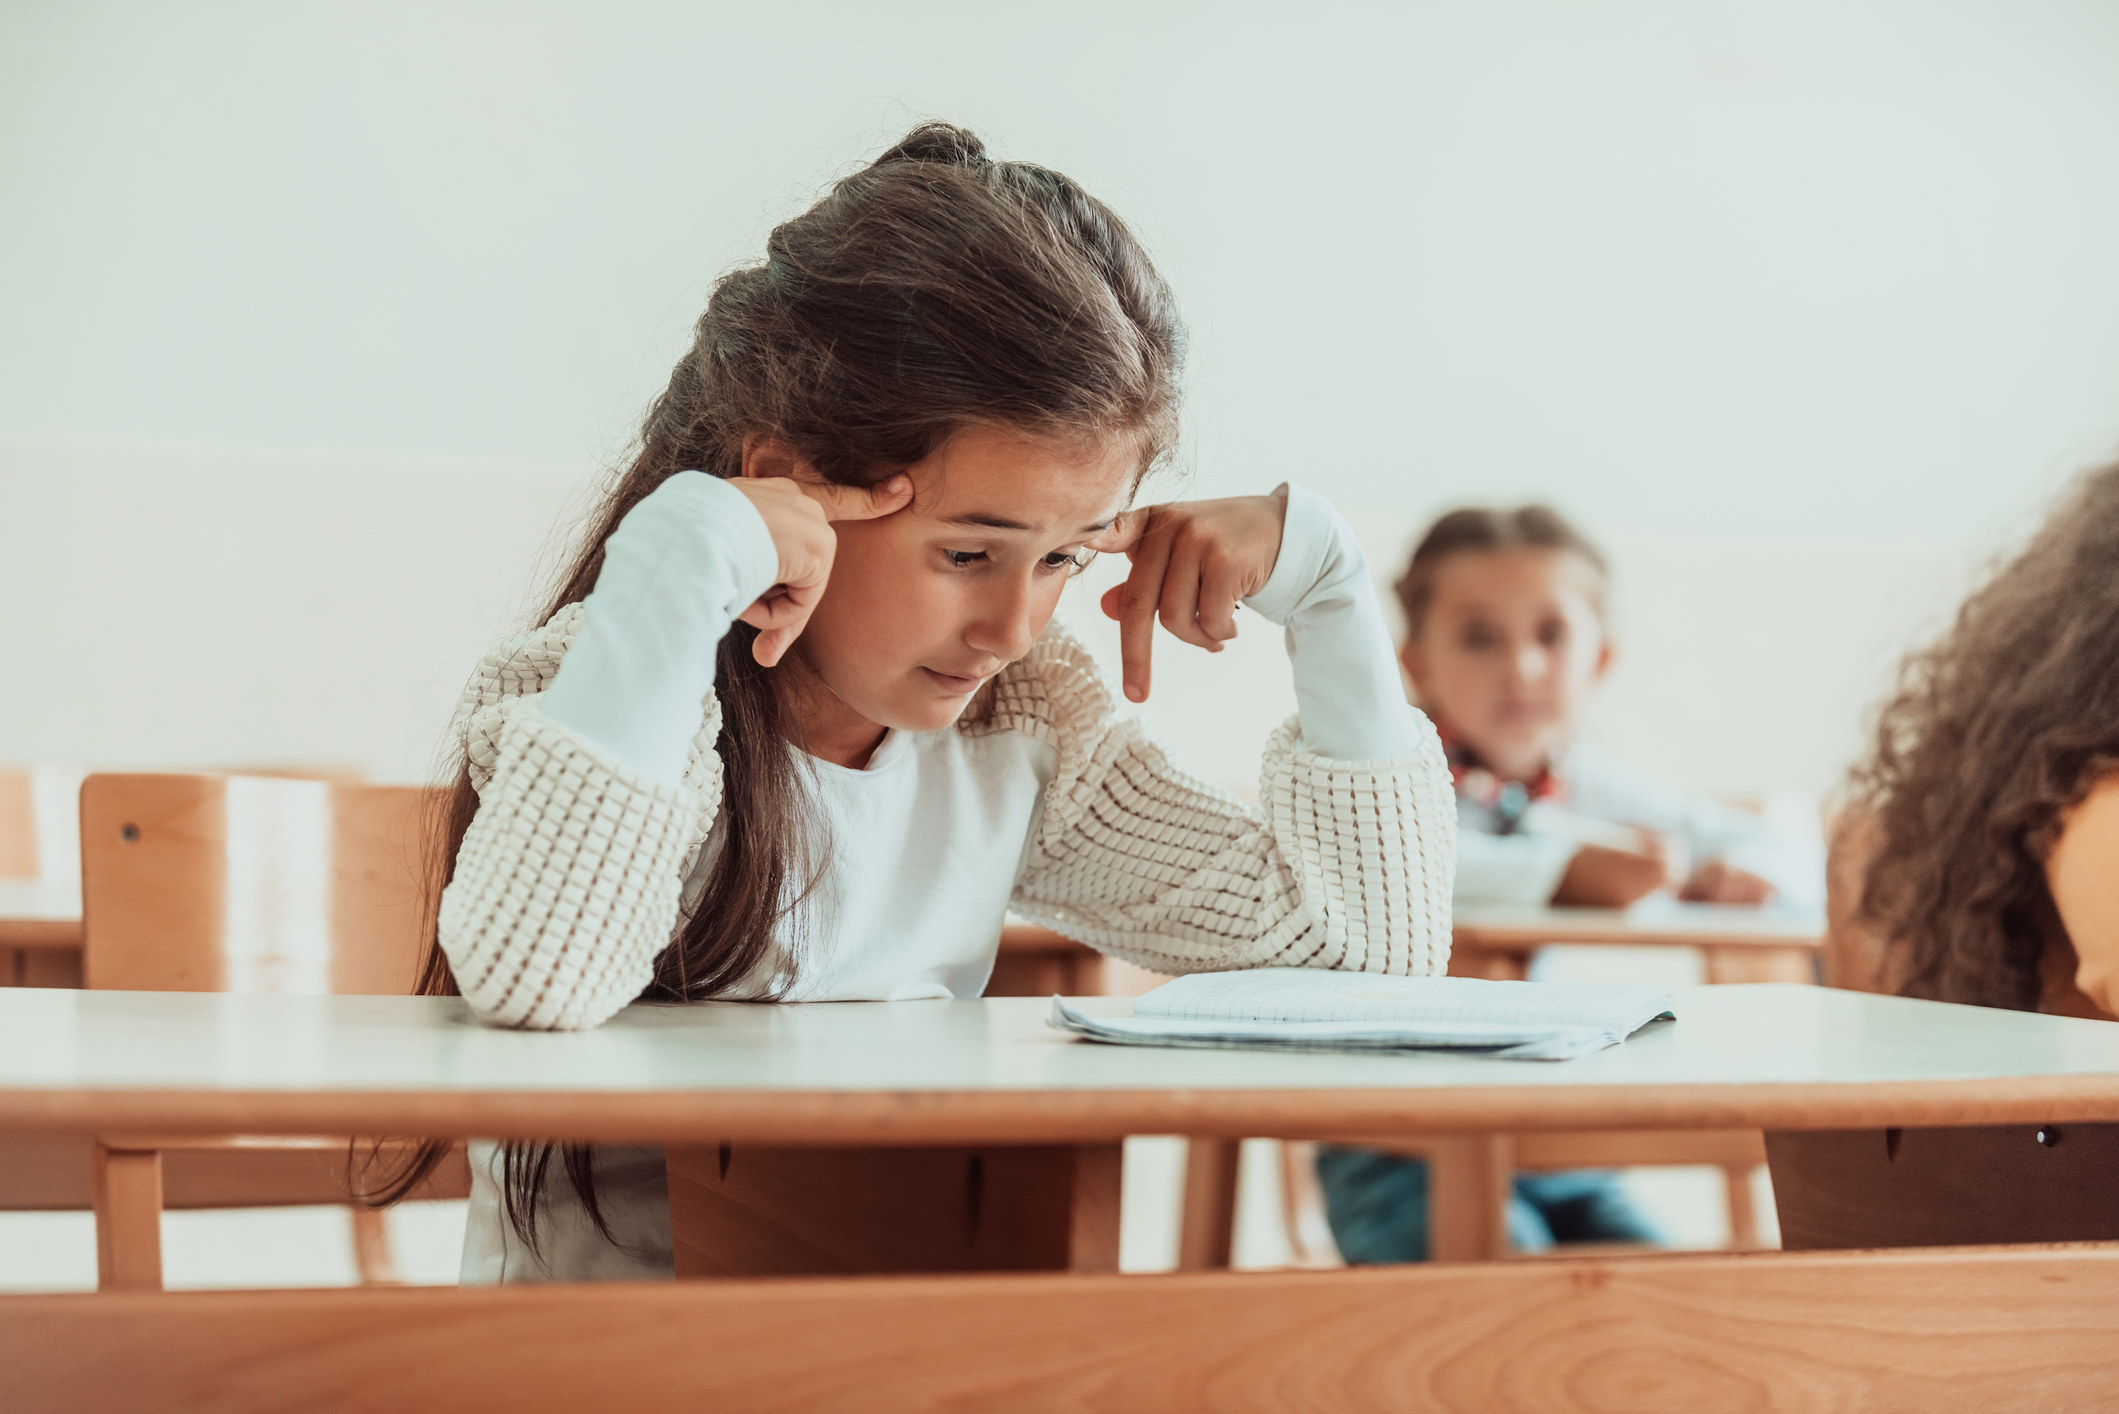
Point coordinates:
[(319, 323)]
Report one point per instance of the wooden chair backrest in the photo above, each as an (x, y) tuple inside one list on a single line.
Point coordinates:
[(208, 883), (18, 825)]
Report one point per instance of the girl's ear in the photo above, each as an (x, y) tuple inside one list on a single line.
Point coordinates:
[(1605, 652), (766, 455)]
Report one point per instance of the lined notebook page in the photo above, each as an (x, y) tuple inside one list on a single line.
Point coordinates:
[(1308, 994)]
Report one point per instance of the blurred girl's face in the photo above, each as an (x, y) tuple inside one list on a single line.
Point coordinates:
[(925, 605), (1511, 646)]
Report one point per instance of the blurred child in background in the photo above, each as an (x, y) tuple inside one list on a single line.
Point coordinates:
[(1505, 643)]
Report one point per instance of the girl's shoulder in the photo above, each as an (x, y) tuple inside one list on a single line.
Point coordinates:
[(1054, 692)]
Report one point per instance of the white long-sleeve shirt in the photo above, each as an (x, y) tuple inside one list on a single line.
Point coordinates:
[(1521, 869), (599, 819)]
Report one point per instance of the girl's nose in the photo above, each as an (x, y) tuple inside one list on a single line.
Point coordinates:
[(1008, 624), (1530, 663)]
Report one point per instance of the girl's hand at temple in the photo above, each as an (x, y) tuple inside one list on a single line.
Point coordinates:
[(798, 512), (1193, 563)]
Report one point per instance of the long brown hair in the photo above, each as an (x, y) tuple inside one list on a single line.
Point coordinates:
[(1995, 732), (932, 290)]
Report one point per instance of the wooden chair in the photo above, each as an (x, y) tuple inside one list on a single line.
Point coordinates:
[(245, 884), (1933, 1187)]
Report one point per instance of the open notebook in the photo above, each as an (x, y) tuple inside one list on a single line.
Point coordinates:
[(1303, 1009)]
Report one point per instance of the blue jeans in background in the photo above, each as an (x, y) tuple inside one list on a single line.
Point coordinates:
[(1377, 1204)]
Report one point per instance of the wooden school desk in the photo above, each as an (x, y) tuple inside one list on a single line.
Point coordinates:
[(1987, 1328)]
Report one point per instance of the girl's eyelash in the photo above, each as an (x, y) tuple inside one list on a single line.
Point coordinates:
[(1056, 561)]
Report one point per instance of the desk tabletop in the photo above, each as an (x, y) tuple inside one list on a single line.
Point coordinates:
[(992, 1071), (36, 913), (1655, 922)]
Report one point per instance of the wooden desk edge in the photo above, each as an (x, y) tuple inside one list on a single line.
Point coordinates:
[(1057, 1116)]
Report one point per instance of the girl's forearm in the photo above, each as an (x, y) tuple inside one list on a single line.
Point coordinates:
[(1347, 688), (684, 563)]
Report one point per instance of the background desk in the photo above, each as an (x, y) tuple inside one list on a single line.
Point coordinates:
[(1737, 944)]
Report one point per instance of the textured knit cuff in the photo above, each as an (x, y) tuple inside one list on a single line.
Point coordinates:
[(1372, 844), (567, 884)]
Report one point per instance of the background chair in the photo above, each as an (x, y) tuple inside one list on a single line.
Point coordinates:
[(246, 884)]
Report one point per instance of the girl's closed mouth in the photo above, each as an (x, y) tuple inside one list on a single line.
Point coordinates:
[(953, 682)]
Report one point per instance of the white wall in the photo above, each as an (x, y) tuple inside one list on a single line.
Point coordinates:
[(314, 320)]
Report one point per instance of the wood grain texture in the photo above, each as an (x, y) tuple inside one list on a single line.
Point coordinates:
[(1973, 1329), (752, 1210)]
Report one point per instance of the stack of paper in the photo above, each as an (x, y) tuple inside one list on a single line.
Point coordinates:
[(1302, 1009)]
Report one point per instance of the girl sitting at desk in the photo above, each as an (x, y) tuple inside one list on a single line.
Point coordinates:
[(1977, 859), (1505, 644), (799, 725)]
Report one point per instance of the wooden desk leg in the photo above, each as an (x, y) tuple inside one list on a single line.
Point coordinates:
[(1207, 1237), (372, 1256), (1468, 1186), (1743, 1207), (1759, 964), (128, 1199), (1092, 1239)]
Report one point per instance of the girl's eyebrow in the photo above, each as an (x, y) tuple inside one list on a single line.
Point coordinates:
[(993, 522)]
